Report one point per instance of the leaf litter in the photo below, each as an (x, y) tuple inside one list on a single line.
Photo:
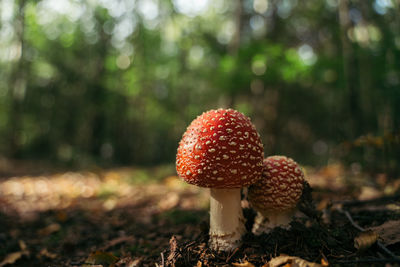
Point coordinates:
[(11, 258), (106, 218)]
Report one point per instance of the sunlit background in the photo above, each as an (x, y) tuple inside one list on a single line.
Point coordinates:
[(96, 94), (110, 82)]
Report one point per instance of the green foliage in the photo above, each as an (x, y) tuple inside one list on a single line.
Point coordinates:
[(93, 82)]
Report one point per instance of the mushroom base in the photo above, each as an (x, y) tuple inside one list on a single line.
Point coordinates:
[(226, 219), (264, 223)]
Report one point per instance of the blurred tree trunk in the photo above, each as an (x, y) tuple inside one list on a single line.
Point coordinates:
[(368, 95), (235, 42), (396, 107), (396, 111), (234, 45), (98, 95), (390, 69), (350, 71), (387, 99), (18, 83)]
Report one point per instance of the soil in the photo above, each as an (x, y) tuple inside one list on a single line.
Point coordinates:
[(110, 218)]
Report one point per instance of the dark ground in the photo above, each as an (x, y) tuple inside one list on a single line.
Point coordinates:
[(123, 218)]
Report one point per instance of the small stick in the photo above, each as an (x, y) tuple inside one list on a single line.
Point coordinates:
[(230, 256), (162, 259), (380, 245), (352, 221), (189, 244)]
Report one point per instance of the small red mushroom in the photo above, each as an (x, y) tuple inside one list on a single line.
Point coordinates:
[(276, 195), (222, 150)]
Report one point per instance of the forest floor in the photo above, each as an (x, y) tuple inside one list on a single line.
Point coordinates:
[(148, 217)]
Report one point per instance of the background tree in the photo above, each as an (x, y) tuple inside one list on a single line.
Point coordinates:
[(116, 82)]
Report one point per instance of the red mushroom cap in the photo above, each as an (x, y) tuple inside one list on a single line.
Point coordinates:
[(281, 185), (220, 149)]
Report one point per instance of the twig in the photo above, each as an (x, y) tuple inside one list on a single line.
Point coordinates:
[(230, 256), (352, 221), (189, 244), (380, 245), (162, 259)]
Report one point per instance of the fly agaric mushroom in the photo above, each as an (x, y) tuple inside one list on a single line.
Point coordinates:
[(222, 150), (276, 195)]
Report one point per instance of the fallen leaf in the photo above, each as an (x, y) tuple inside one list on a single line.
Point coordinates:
[(13, 257), (134, 263), (291, 261), (100, 258), (169, 201), (368, 193), (128, 262), (365, 239), (244, 264), (389, 232), (48, 230), (117, 241), (23, 246), (45, 253)]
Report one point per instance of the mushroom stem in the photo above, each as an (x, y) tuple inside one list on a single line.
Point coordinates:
[(226, 219), (264, 223)]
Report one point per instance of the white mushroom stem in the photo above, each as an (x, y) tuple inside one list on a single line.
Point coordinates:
[(226, 219), (266, 221)]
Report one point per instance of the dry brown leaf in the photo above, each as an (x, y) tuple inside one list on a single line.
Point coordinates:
[(244, 264), (368, 193), (13, 257), (100, 258), (45, 253), (365, 239), (118, 240), (291, 261), (129, 262), (324, 262), (134, 263), (22, 245), (170, 201), (389, 232), (48, 230)]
